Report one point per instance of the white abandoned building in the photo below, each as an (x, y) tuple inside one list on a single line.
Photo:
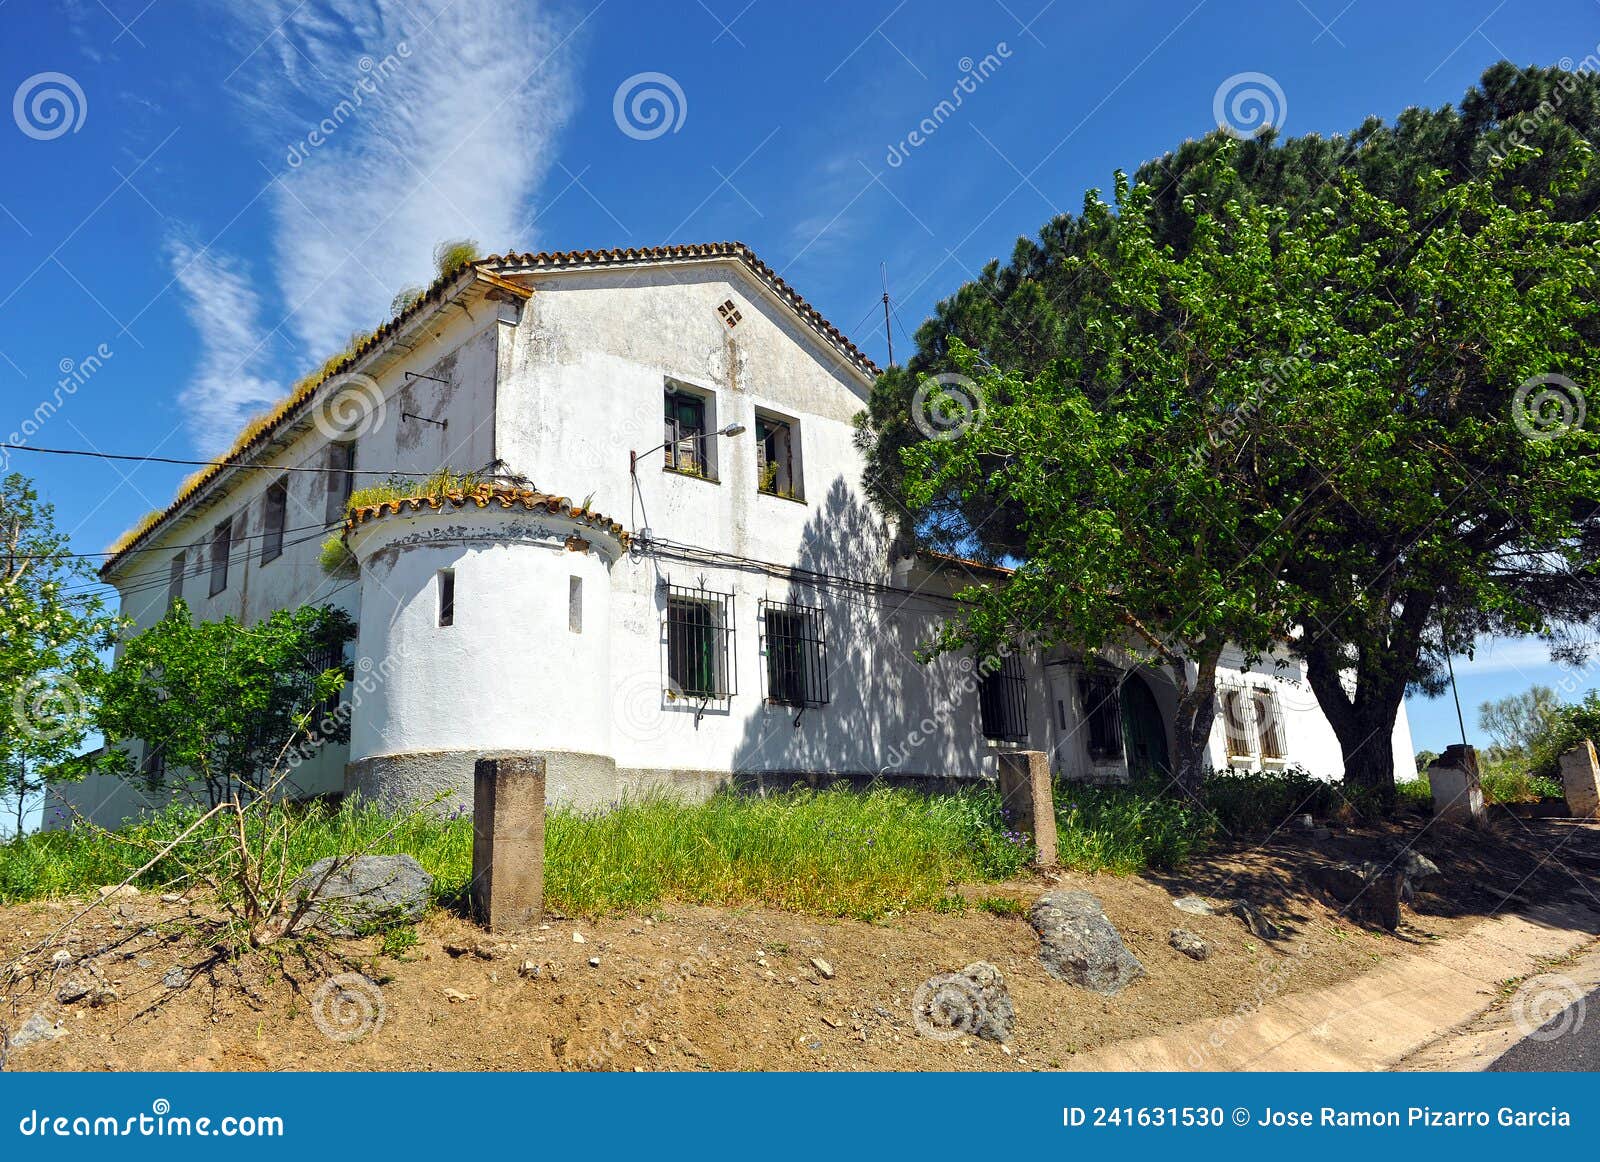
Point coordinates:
[(735, 614)]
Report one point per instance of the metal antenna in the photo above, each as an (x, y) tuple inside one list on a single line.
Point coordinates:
[(888, 334)]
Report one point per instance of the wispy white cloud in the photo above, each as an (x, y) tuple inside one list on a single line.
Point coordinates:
[(223, 306), (437, 119), (1505, 655), (391, 125)]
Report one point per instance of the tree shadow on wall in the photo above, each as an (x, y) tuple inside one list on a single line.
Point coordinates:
[(880, 719)]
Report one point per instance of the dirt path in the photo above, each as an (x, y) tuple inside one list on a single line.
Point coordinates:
[(691, 987)]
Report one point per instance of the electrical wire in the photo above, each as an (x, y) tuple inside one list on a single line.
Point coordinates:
[(94, 455)]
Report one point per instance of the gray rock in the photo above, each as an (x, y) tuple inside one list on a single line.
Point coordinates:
[(74, 989), (1194, 905), (36, 1030), (1343, 881), (175, 978), (973, 1002), (1189, 944), (1255, 920), (1080, 946), (1371, 889), (362, 894)]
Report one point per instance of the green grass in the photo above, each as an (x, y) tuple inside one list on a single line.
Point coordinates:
[(1126, 829), (829, 853), (832, 853), (1500, 785)]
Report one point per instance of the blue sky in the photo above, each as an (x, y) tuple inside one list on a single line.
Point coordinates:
[(190, 232)]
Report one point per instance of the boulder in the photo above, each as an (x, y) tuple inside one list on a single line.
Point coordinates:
[(1255, 920), (1194, 905), (1343, 881), (1189, 944), (973, 1002), (36, 1030), (363, 893), (1080, 946), (1373, 889)]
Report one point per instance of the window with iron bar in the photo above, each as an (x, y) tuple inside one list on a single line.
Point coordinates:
[(1003, 702), (700, 658), (794, 643), (1101, 695)]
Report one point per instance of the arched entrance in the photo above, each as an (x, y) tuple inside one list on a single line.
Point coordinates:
[(1144, 735)]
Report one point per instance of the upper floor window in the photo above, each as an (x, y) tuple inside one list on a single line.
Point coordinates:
[(1003, 701), (778, 457), (341, 480), (221, 547), (685, 432), (275, 512)]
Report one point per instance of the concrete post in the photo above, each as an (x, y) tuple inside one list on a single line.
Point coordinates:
[(1580, 781), (1457, 793), (1025, 793), (508, 842)]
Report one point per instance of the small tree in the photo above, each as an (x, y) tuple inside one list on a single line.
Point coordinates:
[(218, 702), (52, 626), (1518, 721)]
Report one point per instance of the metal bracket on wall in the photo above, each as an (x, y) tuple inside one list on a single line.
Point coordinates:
[(419, 375), (424, 419)]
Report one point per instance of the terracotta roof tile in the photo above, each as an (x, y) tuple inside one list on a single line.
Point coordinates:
[(484, 496), (261, 431), (690, 253)]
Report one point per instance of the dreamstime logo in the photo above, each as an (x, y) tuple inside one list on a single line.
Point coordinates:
[(347, 1007), (74, 374), (1548, 1007), (947, 1006), (947, 406), (973, 74), (375, 74), (1246, 105), (648, 105), (352, 405), (49, 105), (1547, 407), (637, 707), (48, 707)]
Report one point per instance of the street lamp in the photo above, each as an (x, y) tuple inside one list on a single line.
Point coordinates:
[(633, 457)]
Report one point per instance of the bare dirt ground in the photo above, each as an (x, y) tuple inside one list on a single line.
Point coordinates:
[(690, 987)]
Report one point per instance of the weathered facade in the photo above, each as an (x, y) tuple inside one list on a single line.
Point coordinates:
[(734, 616)]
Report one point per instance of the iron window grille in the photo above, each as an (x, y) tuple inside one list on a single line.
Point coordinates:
[(1269, 725), (701, 665), (793, 640), (1237, 713), (319, 660), (1003, 702), (1101, 695), (685, 433)]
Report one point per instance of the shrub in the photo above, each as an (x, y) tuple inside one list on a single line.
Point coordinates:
[(1244, 802), (1124, 829)]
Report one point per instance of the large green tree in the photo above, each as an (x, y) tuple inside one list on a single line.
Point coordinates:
[(223, 704), (52, 626), (1444, 532)]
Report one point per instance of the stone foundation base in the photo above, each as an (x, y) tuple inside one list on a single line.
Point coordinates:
[(442, 780)]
